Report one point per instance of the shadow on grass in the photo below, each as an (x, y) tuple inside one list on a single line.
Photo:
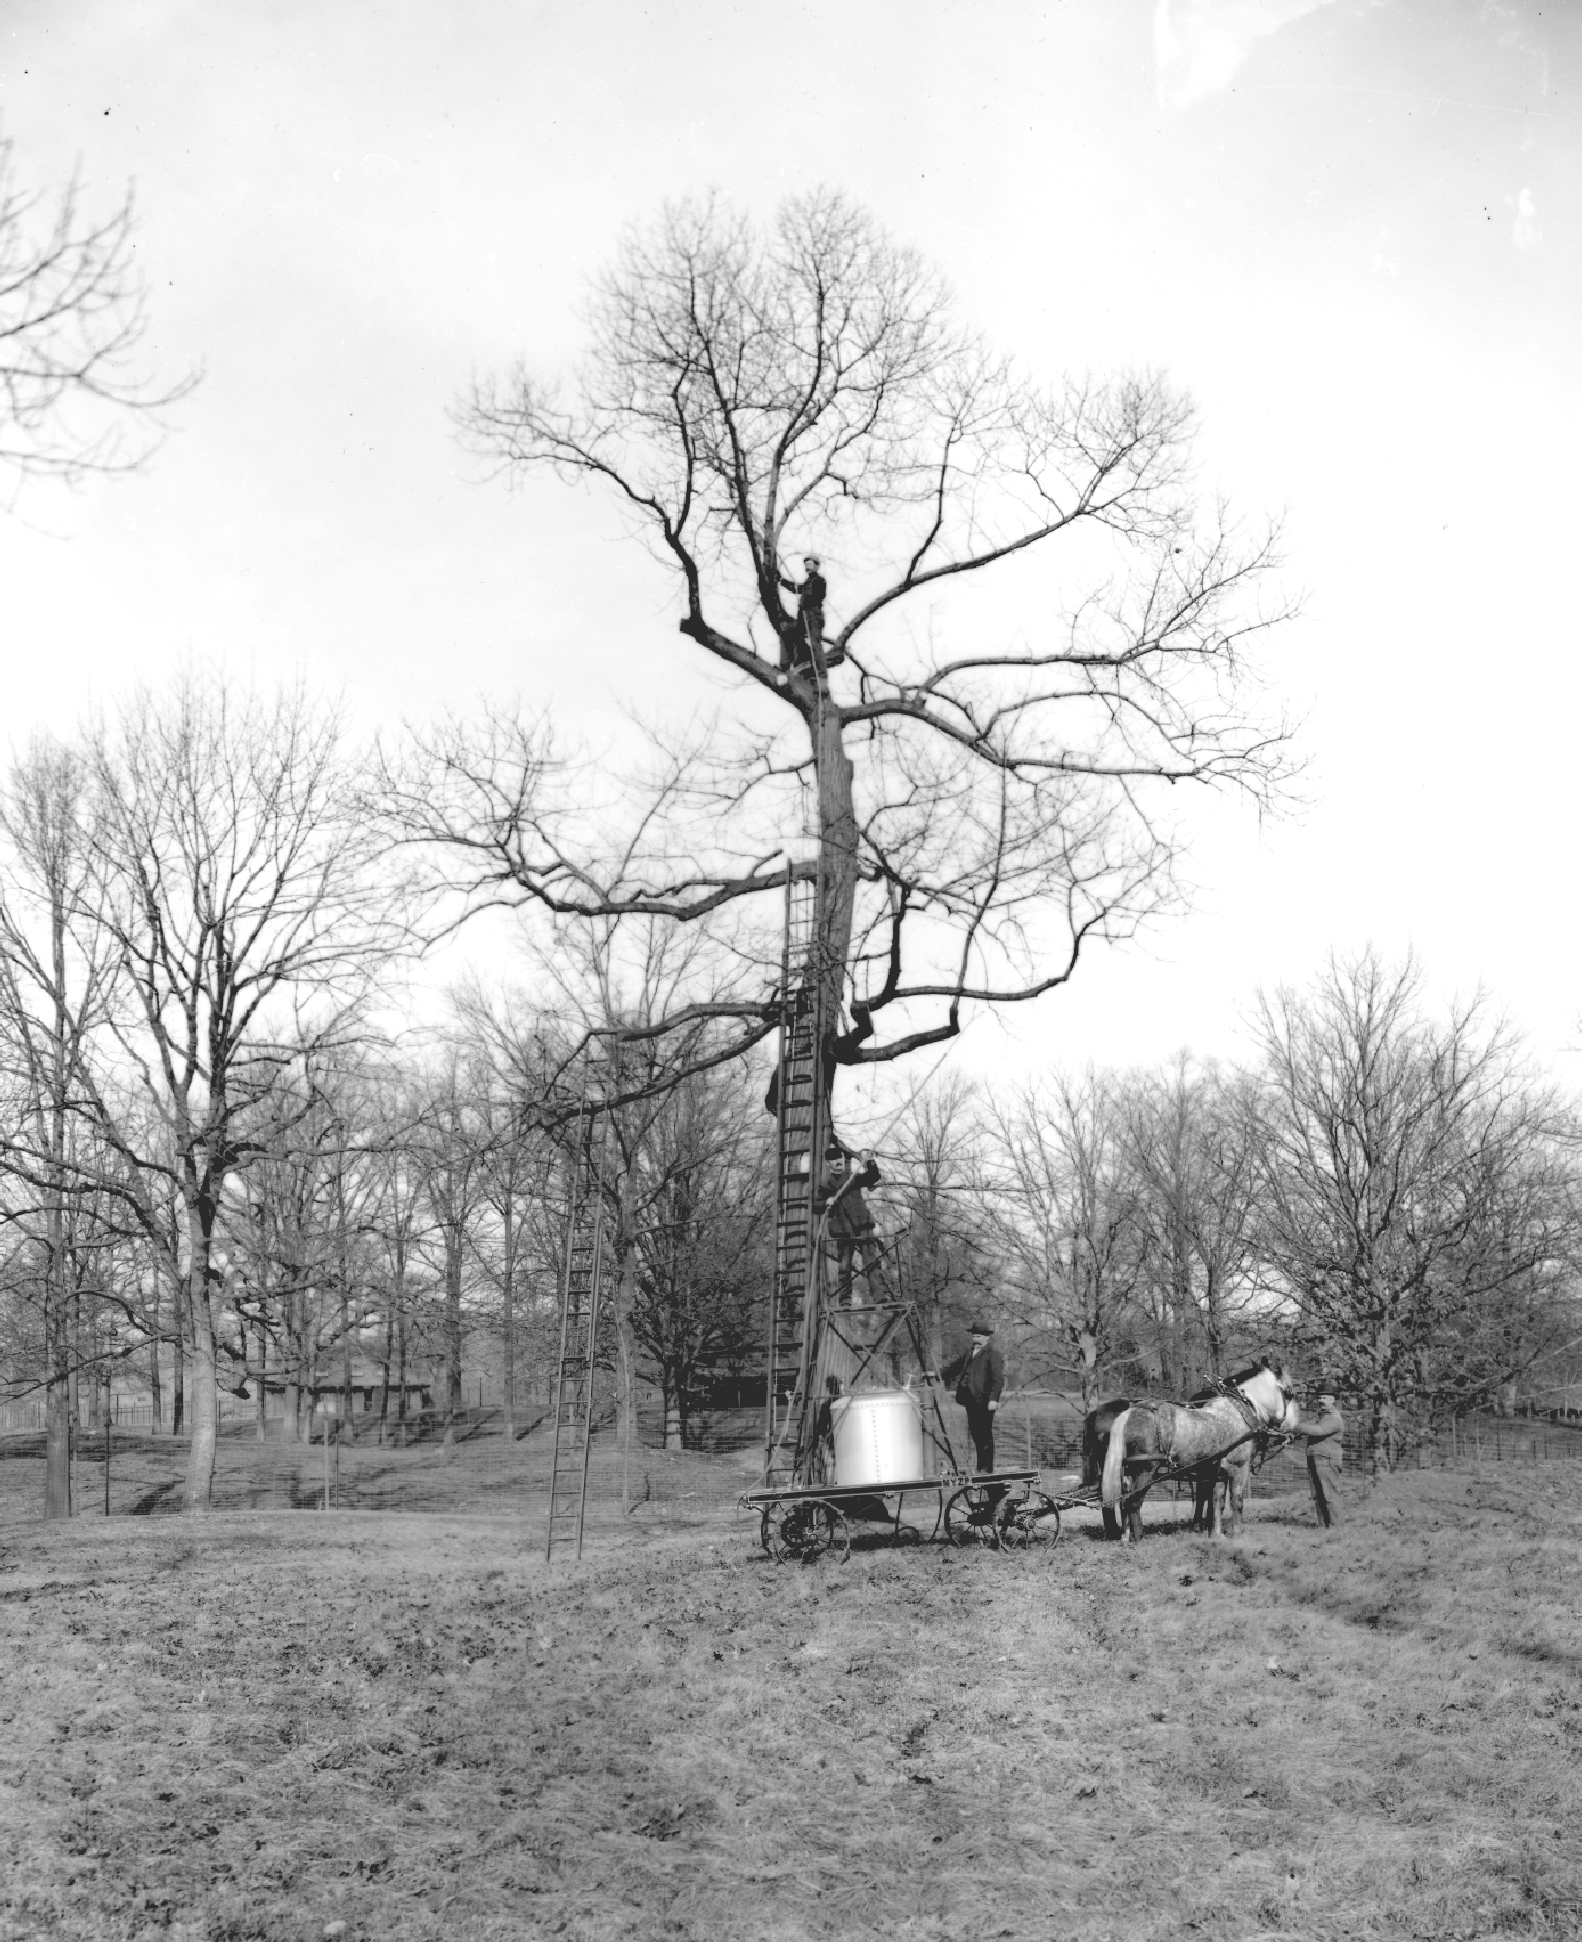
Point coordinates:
[(155, 1500)]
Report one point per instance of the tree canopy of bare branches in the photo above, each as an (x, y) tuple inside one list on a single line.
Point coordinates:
[(73, 319), (988, 788), (1415, 1201)]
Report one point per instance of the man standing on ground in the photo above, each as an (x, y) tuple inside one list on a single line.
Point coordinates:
[(979, 1376), (1324, 1456)]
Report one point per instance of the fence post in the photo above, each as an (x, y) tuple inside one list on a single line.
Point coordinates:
[(107, 1464)]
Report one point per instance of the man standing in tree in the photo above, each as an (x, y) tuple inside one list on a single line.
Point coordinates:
[(810, 591), (1324, 1457), (979, 1376)]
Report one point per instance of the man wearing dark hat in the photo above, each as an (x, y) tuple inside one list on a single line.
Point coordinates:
[(979, 1376), (1324, 1456)]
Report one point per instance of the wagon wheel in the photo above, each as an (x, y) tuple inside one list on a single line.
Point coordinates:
[(804, 1529), (970, 1515), (1033, 1523)]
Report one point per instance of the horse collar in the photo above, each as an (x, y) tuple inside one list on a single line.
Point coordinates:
[(1251, 1414)]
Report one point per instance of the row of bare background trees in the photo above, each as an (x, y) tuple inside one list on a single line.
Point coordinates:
[(228, 1170)]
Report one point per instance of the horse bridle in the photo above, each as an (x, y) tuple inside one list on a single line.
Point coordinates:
[(1252, 1416)]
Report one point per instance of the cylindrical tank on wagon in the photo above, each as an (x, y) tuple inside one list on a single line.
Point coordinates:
[(878, 1438)]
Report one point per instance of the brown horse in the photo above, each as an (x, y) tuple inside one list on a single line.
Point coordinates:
[(1214, 1437), (1095, 1441)]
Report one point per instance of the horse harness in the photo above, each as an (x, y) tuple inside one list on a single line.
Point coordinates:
[(1258, 1431)]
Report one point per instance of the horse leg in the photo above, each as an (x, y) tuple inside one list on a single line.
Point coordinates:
[(1235, 1493), (1134, 1504)]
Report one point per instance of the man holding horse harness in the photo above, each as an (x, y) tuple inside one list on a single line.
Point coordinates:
[(1324, 1457), (979, 1376)]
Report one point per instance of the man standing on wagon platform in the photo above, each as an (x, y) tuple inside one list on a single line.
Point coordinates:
[(1324, 1455), (979, 1376)]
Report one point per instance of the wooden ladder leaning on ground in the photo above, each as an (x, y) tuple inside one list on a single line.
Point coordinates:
[(579, 1328)]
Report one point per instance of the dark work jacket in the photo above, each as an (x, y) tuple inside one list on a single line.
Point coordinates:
[(1323, 1433), (810, 595), (978, 1378), (849, 1216)]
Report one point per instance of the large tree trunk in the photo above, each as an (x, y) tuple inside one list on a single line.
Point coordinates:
[(508, 1315), (837, 855), (156, 1399), (1088, 1363), (57, 1412), (625, 1335), (348, 1421), (205, 1376), (453, 1395), (400, 1364), (384, 1386), (1379, 1426), (1214, 1324), (74, 1358), (263, 1385), (57, 1345), (178, 1358)]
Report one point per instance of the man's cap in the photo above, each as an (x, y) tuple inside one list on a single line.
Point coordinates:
[(1322, 1389), (980, 1328), (811, 559)]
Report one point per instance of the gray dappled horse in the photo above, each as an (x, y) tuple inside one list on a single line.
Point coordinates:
[(1216, 1436)]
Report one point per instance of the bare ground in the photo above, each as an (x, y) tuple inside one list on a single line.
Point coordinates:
[(253, 1726)]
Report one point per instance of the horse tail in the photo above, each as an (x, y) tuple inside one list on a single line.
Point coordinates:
[(1113, 1460)]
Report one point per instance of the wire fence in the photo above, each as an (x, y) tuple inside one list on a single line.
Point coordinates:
[(474, 1470), (469, 1465)]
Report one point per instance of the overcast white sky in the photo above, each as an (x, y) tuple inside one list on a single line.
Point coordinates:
[(1349, 227)]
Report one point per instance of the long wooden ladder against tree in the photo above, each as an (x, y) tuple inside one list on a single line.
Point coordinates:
[(803, 1118), (579, 1331)]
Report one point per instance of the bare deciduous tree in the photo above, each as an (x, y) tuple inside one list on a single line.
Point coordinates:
[(986, 790), (56, 977), (945, 1252), (236, 877), (72, 323), (1414, 1202), (1191, 1145), (1070, 1226)]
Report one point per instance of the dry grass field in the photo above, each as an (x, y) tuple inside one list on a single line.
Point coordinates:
[(262, 1725)]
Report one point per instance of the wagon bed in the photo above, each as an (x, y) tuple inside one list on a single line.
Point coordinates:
[(999, 1509)]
